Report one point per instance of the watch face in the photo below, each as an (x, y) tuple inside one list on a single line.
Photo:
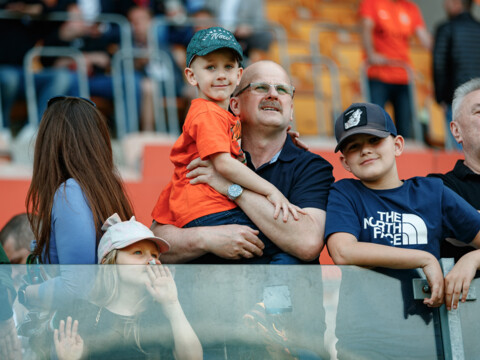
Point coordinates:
[(234, 191)]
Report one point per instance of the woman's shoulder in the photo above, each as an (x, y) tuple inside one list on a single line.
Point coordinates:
[(69, 189), (70, 196)]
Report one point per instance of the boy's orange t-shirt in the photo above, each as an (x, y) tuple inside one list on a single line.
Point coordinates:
[(395, 22), (208, 129)]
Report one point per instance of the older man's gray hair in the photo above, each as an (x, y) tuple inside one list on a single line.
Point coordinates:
[(460, 93)]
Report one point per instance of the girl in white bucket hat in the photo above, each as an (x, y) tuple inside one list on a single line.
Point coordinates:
[(134, 309)]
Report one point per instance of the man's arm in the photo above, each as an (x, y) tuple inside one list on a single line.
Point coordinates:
[(227, 241), (367, 39), (302, 238), (346, 250), (424, 37)]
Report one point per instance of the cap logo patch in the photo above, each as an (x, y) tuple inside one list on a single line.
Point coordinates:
[(355, 117), (214, 35)]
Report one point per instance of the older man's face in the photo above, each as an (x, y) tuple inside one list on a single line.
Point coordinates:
[(468, 123), (271, 109)]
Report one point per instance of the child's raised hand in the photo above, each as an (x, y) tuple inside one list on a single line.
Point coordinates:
[(434, 275), (68, 343), (281, 203), (458, 280), (161, 286)]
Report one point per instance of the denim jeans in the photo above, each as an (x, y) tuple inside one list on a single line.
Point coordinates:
[(399, 96), (48, 83), (272, 254)]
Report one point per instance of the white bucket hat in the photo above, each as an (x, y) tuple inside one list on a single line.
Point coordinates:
[(120, 234)]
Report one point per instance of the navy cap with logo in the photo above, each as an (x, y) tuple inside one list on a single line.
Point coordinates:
[(208, 40), (363, 118)]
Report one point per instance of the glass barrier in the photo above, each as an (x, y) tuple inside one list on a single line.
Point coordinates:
[(236, 312), (469, 315)]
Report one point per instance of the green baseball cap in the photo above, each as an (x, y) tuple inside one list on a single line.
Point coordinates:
[(208, 40)]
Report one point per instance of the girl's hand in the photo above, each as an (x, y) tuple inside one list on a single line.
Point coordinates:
[(281, 203), (161, 286), (68, 344)]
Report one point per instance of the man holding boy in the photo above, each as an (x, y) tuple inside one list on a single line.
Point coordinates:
[(304, 178), (380, 220)]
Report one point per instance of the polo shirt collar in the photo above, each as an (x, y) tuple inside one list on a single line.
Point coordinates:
[(289, 152), (462, 171)]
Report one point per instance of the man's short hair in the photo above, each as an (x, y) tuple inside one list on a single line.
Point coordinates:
[(18, 227), (460, 93)]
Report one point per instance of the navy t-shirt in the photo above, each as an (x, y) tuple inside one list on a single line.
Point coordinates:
[(417, 215)]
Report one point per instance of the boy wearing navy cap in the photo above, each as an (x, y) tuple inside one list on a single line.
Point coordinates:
[(380, 220), (211, 132)]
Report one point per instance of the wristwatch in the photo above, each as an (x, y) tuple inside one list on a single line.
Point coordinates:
[(234, 191)]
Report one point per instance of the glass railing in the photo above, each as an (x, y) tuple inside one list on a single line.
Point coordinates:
[(235, 312)]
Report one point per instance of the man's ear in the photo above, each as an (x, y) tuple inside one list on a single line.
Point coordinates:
[(239, 75), (235, 106), (190, 76), (455, 130), (345, 163), (399, 142)]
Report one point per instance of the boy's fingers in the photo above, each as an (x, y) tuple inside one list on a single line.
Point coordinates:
[(277, 211), (293, 210), (285, 210)]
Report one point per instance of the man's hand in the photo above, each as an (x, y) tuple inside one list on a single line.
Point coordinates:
[(203, 172), (233, 242), (377, 59), (458, 280)]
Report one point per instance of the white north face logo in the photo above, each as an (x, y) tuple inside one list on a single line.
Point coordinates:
[(399, 229), (354, 119)]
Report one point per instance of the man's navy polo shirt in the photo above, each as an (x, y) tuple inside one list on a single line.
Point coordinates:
[(465, 183), (302, 176)]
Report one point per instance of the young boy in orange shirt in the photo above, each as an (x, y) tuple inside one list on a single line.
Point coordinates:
[(211, 132)]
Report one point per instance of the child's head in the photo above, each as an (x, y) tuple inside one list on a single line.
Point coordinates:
[(132, 241), (214, 64), (368, 140)]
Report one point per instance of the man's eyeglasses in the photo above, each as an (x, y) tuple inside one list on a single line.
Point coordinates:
[(264, 88), (58, 98)]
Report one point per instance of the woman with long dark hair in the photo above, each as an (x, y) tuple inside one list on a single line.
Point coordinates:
[(75, 186)]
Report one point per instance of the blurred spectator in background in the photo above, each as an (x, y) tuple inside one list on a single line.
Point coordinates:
[(16, 237), (246, 20), (150, 71), (456, 57), (17, 37), (387, 27), (98, 41)]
